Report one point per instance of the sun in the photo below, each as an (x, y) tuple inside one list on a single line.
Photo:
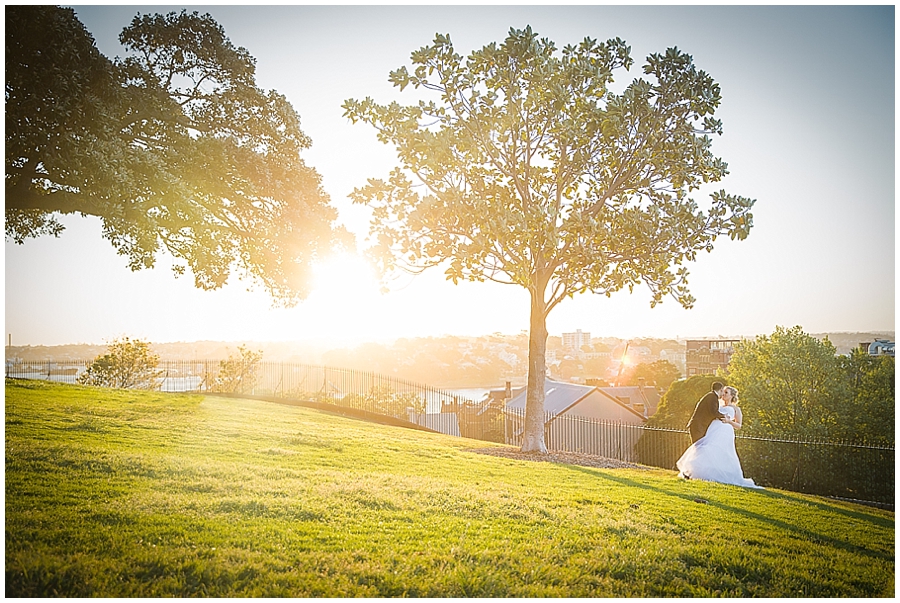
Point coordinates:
[(344, 300), (343, 275)]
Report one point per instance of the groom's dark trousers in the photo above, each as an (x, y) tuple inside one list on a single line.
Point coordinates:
[(706, 411)]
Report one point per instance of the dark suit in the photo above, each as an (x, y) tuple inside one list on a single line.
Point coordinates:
[(706, 411)]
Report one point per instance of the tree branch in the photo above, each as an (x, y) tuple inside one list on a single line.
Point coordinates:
[(25, 196)]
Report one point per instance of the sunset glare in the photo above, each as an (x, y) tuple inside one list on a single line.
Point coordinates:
[(819, 160), (345, 276)]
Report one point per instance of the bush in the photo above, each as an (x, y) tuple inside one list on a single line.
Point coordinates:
[(678, 403), (661, 447), (127, 364), (660, 444), (238, 374), (381, 399)]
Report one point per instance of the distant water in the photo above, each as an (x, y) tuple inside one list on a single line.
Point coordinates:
[(473, 394), (476, 394)]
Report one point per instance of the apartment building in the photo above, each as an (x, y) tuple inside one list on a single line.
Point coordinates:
[(705, 356)]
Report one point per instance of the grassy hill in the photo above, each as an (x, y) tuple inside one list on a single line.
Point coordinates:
[(124, 493)]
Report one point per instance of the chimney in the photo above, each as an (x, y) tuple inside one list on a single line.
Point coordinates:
[(646, 405)]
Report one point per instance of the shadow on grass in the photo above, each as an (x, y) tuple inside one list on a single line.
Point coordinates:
[(882, 522), (801, 532)]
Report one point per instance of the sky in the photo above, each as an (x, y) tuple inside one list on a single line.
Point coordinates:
[(808, 111)]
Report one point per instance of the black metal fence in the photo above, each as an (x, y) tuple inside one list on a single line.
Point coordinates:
[(570, 433), (838, 469)]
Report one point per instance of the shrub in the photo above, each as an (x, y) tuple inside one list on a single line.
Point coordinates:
[(238, 374), (127, 364)]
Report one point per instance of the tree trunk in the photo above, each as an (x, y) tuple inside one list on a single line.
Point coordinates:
[(533, 436)]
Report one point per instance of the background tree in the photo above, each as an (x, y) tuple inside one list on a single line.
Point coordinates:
[(173, 147), (570, 368), (238, 374), (596, 368), (663, 446), (791, 383), (677, 405), (872, 380), (128, 364), (533, 173), (660, 373), (382, 400)]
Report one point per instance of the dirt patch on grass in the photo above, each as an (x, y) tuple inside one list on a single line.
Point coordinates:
[(565, 458)]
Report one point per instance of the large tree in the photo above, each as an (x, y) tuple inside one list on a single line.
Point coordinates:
[(173, 147), (535, 174)]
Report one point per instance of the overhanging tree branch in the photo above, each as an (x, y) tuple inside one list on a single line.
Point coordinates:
[(119, 140)]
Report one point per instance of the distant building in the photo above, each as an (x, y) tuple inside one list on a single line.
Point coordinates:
[(638, 397), (705, 356), (570, 407), (879, 347), (598, 350), (498, 397), (575, 341), (627, 404)]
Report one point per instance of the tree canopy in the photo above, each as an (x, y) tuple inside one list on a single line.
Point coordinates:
[(660, 373), (791, 383), (173, 147), (524, 168), (872, 379), (678, 403)]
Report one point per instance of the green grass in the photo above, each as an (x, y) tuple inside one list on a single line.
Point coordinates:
[(124, 493)]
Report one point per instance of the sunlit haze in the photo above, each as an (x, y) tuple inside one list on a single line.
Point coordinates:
[(808, 114)]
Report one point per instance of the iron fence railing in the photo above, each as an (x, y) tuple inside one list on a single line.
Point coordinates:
[(571, 433), (361, 390), (838, 469)]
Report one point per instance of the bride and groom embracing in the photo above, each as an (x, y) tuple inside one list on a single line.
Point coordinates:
[(712, 456)]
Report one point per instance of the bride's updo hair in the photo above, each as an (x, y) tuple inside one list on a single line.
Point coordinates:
[(734, 394)]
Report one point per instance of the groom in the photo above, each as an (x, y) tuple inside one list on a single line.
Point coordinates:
[(706, 411)]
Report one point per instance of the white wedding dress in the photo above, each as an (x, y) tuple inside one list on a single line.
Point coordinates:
[(713, 457)]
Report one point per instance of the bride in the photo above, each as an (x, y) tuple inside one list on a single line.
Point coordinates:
[(713, 457)]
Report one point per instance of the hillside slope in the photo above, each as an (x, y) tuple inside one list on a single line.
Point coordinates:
[(124, 493)]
